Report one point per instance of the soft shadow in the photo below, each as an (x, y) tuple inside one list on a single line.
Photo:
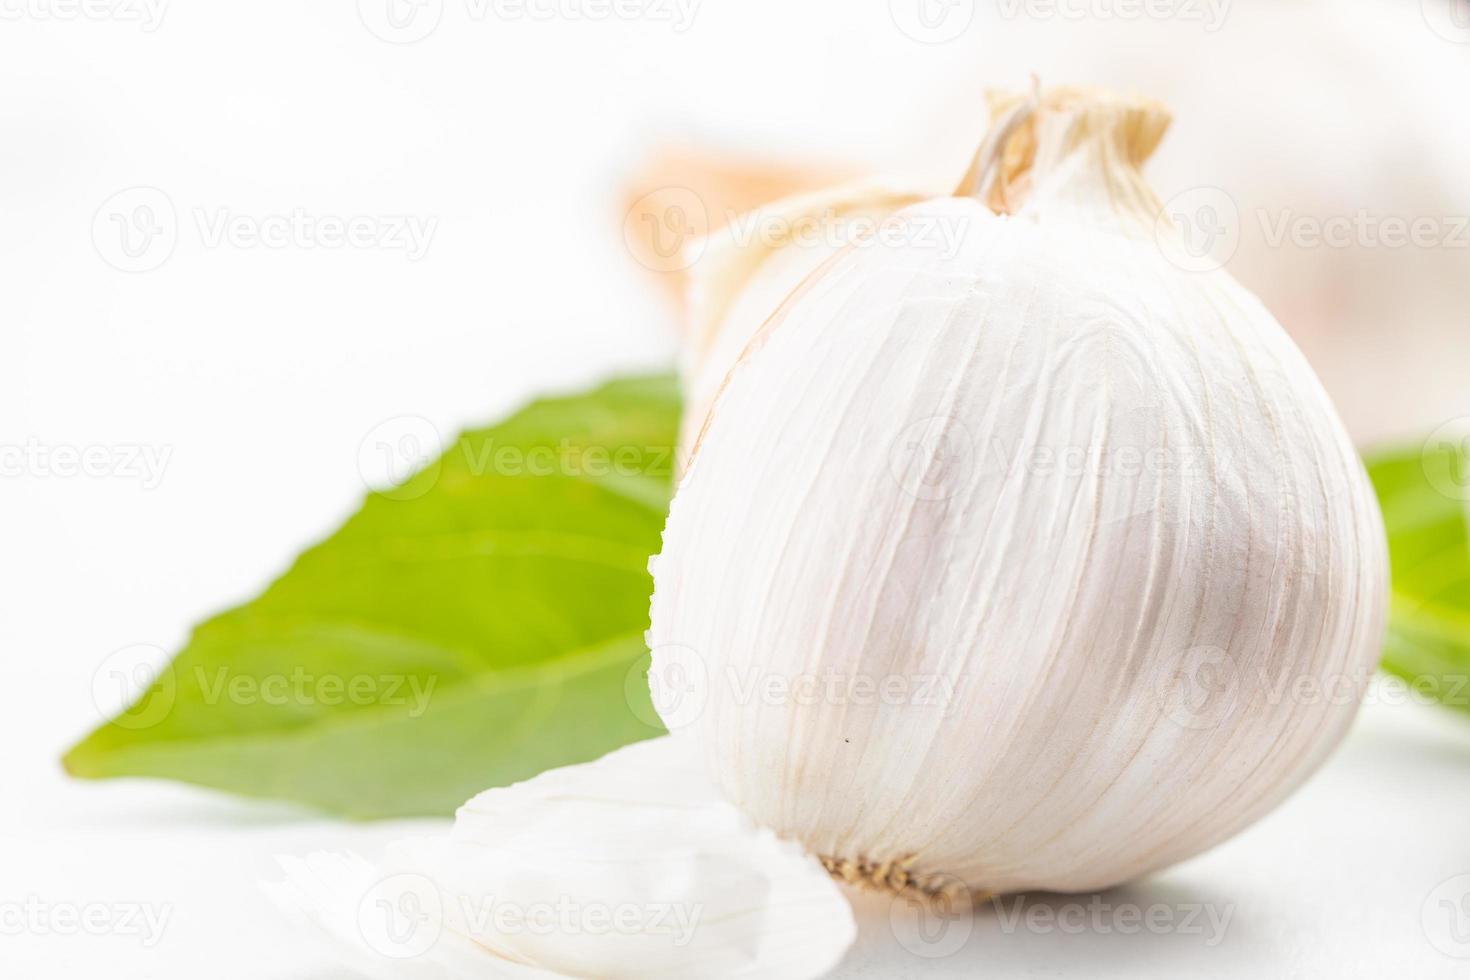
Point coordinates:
[(1164, 926)]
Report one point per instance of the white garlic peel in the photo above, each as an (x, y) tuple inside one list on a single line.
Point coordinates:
[(1041, 564), (631, 866), (744, 271)]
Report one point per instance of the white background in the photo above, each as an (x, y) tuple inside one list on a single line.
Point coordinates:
[(259, 371)]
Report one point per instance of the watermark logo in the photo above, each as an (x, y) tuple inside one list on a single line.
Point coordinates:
[(142, 462), (410, 234), (300, 687), (1450, 19), (147, 14), (935, 925), (400, 21), (136, 229), (1445, 917), (1103, 917), (675, 922), (409, 21), (1209, 686), (1210, 14), (400, 458), (1198, 230), (830, 230), (134, 687), (933, 458), (932, 21), (665, 229), (1202, 690), (1445, 458), (1442, 690), (1129, 452), (34, 916), (401, 917), (678, 686), (678, 14), (1364, 229), (568, 458)]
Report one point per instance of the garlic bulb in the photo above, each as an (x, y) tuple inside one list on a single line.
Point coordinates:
[(1038, 562), (630, 866)]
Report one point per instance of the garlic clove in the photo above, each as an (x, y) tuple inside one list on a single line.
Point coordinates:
[(630, 866), (372, 920)]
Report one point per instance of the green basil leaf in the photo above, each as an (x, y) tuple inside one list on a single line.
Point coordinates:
[(473, 626), (1425, 495)]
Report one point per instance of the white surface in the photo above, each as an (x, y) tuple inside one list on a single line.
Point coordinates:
[(260, 371), (1344, 881)]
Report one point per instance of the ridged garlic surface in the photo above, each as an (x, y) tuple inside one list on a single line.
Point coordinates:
[(747, 268), (631, 866), (1037, 562)]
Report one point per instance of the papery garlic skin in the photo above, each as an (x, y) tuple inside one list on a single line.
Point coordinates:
[(1042, 564), (746, 269), (627, 867)]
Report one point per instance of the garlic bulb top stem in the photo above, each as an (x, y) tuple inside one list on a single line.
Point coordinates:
[(1073, 147), (1008, 114)]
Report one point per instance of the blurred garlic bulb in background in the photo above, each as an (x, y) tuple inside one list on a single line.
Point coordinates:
[(1294, 117), (630, 866), (1005, 563), (1300, 120)]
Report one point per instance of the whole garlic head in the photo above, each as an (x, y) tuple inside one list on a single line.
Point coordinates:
[(1041, 561)]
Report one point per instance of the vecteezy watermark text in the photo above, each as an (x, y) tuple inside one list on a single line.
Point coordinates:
[(301, 687), (299, 228), (1199, 229), (1101, 916), (126, 461), (680, 687), (408, 21), (831, 230), (1211, 685), (136, 687), (34, 916), (665, 229), (1210, 14), (1364, 229), (403, 457), (147, 14), (138, 229), (403, 916)]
